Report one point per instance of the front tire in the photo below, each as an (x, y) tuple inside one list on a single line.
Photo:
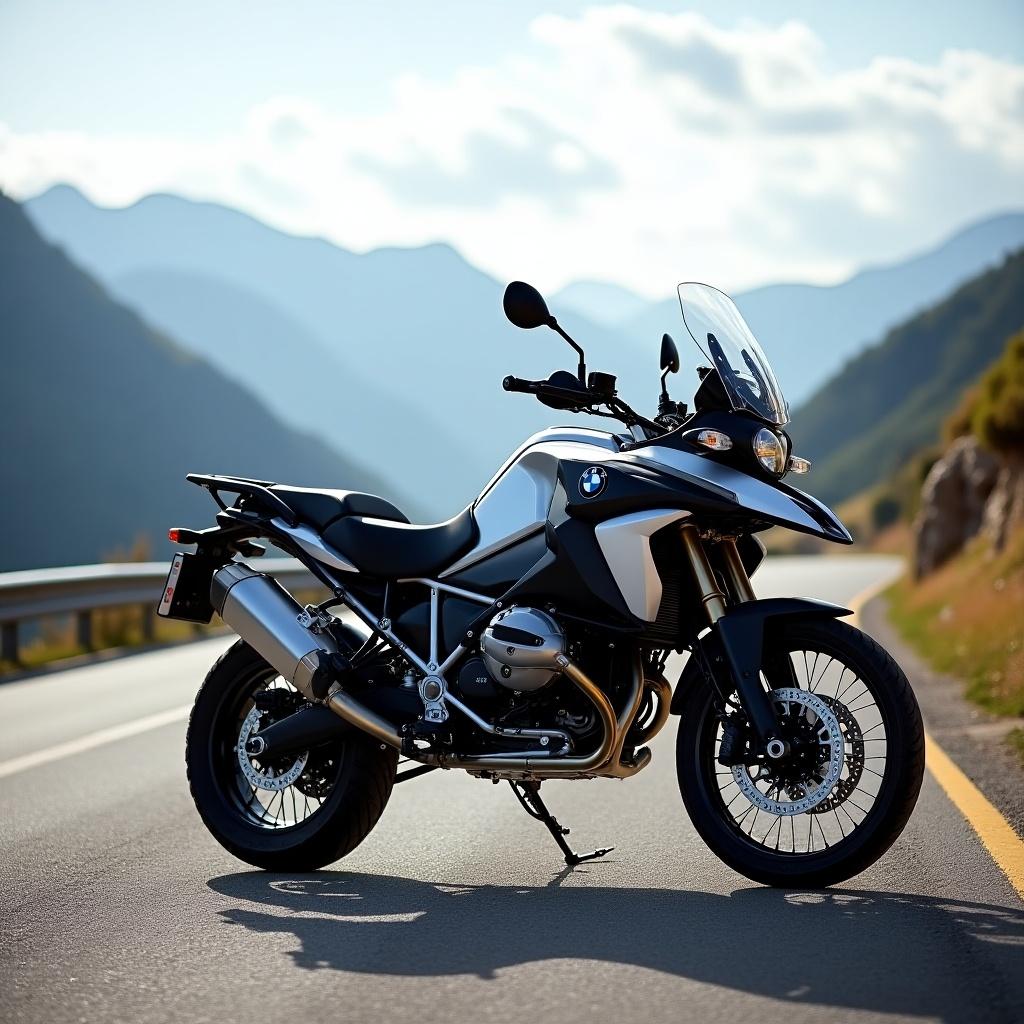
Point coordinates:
[(339, 790), (882, 735)]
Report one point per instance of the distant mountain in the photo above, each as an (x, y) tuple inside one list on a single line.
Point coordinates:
[(102, 417), (810, 331), (607, 304), (889, 402), (244, 334), (415, 340)]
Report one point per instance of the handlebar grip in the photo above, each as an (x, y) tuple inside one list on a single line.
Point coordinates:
[(511, 383)]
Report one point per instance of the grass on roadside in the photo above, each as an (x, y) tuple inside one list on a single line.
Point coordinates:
[(967, 620)]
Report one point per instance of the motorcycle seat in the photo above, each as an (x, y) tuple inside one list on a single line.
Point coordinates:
[(398, 550), (321, 508)]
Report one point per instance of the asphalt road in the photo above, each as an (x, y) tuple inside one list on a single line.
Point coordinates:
[(118, 906)]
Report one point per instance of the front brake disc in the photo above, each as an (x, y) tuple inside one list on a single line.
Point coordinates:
[(854, 756), (808, 794)]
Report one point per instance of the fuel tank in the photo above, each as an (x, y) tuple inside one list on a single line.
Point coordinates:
[(515, 502)]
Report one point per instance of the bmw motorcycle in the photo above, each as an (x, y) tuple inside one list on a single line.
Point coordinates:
[(530, 637)]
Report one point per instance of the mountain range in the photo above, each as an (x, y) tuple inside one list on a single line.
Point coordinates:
[(102, 416), (394, 357), (888, 404), (810, 331), (382, 370)]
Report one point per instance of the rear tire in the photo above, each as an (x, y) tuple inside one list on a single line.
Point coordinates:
[(893, 797), (356, 777)]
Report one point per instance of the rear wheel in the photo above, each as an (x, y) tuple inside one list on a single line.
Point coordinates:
[(295, 813), (847, 784)]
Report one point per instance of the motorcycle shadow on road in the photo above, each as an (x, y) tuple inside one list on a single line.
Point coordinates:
[(881, 951)]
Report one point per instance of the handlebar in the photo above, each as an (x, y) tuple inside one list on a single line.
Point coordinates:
[(579, 399), (529, 387)]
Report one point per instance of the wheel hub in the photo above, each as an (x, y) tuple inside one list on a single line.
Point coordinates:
[(809, 771)]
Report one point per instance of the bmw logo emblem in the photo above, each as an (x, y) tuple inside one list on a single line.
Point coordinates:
[(593, 481)]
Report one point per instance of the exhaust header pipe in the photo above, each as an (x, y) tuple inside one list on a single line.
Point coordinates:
[(266, 617)]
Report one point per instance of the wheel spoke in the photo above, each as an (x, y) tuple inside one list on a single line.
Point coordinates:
[(808, 771)]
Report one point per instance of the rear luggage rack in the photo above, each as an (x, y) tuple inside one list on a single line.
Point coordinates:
[(258, 489)]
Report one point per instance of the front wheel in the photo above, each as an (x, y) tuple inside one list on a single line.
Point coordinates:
[(295, 813), (848, 782)]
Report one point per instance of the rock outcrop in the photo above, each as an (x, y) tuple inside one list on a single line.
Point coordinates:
[(1004, 509), (953, 503)]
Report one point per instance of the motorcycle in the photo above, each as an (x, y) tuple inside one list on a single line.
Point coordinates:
[(528, 638)]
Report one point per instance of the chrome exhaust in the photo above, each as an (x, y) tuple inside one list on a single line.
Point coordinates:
[(267, 618)]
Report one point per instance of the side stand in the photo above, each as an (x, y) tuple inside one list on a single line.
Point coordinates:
[(528, 794)]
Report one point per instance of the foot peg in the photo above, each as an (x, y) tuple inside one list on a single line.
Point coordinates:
[(528, 794), (437, 734)]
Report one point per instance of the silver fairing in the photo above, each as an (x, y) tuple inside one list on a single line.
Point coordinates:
[(625, 543), (515, 502)]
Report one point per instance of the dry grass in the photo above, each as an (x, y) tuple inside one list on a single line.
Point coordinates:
[(967, 619), (112, 628)]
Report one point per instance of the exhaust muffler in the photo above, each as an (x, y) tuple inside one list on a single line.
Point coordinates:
[(267, 617)]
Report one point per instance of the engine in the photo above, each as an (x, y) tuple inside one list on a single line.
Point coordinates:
[(519, 648)]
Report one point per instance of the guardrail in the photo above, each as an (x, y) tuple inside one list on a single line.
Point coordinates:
[(81, 589)]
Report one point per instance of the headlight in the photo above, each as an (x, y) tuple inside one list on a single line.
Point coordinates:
[(770, 451)]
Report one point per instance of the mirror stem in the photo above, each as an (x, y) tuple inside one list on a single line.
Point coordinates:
[(582, 371)]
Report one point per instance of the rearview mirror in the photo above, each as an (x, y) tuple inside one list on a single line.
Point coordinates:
[(669, 354), (525, 306)]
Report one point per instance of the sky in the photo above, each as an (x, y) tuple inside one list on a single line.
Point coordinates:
[(641, 144)]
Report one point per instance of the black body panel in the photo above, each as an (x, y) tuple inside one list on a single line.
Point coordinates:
[(574, 578), (496, 573), (635, 488)]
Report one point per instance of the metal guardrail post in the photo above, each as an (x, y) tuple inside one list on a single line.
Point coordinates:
[(9, 642), (83, 629)]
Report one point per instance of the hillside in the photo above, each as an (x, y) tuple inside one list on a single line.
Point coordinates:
[(248, 337), (102, 417), (810, 331), (420, 326), (889, 403)]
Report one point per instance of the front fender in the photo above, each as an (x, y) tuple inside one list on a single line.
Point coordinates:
[(738, 639)]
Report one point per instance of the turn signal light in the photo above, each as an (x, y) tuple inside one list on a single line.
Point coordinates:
[(713, 439), (798, 465)]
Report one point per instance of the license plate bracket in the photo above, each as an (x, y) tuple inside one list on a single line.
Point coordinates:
[(186, 593)]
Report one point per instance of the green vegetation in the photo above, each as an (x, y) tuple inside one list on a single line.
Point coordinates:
[(997, 417), (887, 406), (965, 618)]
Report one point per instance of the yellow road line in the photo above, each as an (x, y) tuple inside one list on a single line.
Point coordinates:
[(996, 834), (993, 829)]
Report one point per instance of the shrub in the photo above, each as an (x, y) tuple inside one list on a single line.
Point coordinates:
[(998, 416), (885, 510)]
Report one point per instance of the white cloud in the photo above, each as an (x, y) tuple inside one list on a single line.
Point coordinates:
[(637, 146)]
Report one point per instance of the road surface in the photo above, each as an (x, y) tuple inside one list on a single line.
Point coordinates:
[(118, 906)]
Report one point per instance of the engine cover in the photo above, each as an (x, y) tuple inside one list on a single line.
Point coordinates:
[(519, 647)]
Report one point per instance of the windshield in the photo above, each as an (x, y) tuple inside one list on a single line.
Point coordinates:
[(722, 334)]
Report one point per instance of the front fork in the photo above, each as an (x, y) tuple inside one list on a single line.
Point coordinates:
[(753, 697)]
